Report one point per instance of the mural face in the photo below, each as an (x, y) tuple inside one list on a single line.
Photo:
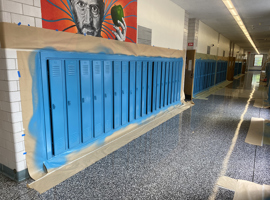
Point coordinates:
[(112, 19)]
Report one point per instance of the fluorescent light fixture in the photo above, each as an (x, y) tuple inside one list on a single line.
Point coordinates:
[(228, 4), (234, 13)]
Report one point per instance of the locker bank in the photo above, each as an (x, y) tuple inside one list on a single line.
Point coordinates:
[(134, 99)]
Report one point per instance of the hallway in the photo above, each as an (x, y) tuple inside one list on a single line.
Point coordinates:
[(180, 159)]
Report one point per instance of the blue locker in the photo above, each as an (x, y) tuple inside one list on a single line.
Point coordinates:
[(158, 85), (179, 80), (132, 85), (149, 87), (170, 83), (98, 98), (144, 87), (58, 106), (138, 89), (176, 81), (154, 100), (166, 83), (162, 94), (125, 86), (108, 96), (117, 80), (173, 81), (87, 100), (73, 102)]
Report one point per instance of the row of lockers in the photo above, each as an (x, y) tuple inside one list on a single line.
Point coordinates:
[(221, 71), (89, 98), (237, 68), (204, 75)]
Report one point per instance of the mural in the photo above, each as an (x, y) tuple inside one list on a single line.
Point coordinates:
[(112, 19)]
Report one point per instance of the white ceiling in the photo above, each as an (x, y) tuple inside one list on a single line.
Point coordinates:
[(254, 13)]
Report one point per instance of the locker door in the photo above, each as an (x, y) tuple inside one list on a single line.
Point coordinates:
[(58, 105), (163, 70), (173, 80), (87, 100), (117, 93), (125, 86), (149, 87), (179, 81), (138, 89), (108, 96), (176, 81), (98, 98), (144, 87), (158, 85), (166, 83), (154, 100), (132, 91), (73, 102), (170, 83)]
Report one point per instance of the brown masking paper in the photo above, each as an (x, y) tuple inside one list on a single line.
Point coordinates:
[(255, 132)]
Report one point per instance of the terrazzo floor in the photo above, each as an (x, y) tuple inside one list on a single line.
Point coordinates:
[(180, 159)]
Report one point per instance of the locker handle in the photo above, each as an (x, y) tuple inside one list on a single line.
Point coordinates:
[(137, 89), (105, 95), (69, 103), (123, 92), (83, 100), (53, 106), (130, 91), (115, 93), (95, 97)]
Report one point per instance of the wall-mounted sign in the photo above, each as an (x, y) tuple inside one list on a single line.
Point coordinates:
[(190, 44), (100, 18)]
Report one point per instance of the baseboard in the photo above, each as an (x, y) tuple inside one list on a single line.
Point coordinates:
[(13, 174)]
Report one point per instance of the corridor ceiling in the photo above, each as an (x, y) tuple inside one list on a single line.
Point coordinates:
[(254, 13)]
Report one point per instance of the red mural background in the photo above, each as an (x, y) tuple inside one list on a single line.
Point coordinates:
[(57, 15)]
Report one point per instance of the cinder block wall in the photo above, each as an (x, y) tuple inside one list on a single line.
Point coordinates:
[(12, 149), (24, 11)]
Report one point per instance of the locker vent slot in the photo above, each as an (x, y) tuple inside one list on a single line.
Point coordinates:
[(56, 71), (85, 70), (97, 69), (71, 70)]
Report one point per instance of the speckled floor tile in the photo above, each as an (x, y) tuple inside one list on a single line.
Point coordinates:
[(180, 159)]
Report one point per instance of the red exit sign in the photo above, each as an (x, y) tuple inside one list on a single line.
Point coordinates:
[(191, 44)]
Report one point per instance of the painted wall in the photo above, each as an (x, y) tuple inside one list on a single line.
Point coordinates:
[(236, 49), (224, 45), (167, 24), (206, 37)]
